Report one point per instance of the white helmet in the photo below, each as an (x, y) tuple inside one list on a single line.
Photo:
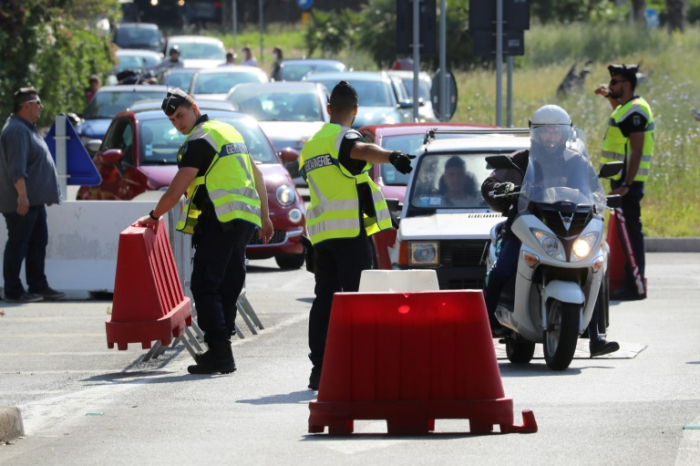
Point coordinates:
[(551, 116)]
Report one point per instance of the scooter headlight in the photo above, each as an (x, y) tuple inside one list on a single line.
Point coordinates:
[(583, 246), (550, 243)]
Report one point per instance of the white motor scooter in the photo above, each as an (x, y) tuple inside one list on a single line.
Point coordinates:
[(563, 257)]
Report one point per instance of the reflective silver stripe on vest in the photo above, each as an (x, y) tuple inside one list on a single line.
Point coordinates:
[(325, 205), (621, 157), (199, 133), (382, 214), (237, 206), (642, 172), (327, 225), (245, 168), (246, 192), (635, 108)]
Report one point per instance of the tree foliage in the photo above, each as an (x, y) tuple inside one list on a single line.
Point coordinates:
[(54, 46)]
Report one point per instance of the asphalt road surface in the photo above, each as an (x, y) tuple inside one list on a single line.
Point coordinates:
[(83, 404)]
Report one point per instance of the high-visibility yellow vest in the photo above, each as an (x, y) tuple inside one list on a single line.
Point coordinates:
[(229, 179), (616, 146), (334, 211)]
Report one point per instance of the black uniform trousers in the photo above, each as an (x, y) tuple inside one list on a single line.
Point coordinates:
[(218, 274), (339, 266), (632, 211)]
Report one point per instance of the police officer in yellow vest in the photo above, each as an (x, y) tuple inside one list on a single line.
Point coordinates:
[(629, 138), (225, 201), (346, 207)]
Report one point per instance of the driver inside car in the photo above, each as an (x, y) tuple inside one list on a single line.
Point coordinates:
[(551, 127)]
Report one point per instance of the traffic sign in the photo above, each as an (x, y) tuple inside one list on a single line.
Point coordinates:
[(451, 95), (79, 166), (305, 4), (427, 26), (482, 15), (652, 17), (485, 43)]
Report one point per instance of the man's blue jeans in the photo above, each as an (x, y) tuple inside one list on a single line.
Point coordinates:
[(27, 238)]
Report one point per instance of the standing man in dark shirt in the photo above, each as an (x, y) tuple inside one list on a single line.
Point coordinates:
[(28, 183), (629, 139), (225, 201), (346, 207)]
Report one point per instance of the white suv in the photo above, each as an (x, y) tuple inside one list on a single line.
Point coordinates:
[(445, 223)]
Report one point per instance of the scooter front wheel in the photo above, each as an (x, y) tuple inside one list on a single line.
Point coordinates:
[(561, 335)]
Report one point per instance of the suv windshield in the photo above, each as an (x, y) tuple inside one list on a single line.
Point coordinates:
[(449, 181), (108, 104)]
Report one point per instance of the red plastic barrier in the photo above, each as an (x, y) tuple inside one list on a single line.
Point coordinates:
[(617, 259), (148, 301), (411, 358)]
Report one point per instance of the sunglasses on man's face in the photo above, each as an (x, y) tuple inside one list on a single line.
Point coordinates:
[(37, 101), (615, 81)]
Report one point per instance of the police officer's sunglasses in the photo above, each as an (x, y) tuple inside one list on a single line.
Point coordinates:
[(615, 81)]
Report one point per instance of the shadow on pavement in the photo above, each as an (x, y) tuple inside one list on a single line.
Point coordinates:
[(301, 396)]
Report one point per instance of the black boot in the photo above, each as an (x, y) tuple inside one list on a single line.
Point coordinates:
[(218, 358)]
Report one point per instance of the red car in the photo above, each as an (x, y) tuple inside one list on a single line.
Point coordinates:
[(406, 137), (139, 154)]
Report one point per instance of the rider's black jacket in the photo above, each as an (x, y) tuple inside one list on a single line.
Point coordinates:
[(508, 206)]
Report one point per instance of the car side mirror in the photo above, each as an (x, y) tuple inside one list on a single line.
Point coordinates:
[(610, 169), (394, 205), (93, 145), (114, 156), (289, 155), (406, 104)]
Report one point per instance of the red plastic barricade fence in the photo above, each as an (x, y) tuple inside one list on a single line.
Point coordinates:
[(148, 301), (411, 358), (620, 247)]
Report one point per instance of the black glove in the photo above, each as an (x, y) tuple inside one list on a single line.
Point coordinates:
[(401, 161), (504, 188)]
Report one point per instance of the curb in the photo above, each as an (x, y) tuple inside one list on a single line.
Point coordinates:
[(11, 425), (672, 244)]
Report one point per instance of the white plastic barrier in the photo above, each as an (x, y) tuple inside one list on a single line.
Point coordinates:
[(81, 257), (399, 281)]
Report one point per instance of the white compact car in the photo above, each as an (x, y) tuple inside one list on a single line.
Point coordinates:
[(445, 223)]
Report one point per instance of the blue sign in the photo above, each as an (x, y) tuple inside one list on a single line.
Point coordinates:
[(79, 165), (305, 4), (652, 18)]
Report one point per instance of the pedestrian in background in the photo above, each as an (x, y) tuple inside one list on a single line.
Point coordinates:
[(248, 58), (629, 139), (173, 60), (94, 84), (225, 201), (346, 208), (28, 183), (276, 64), (230, 58)]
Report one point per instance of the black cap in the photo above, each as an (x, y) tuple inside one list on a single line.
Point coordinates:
[(626, 71), (344, 89), (174, 48), (173, 100)]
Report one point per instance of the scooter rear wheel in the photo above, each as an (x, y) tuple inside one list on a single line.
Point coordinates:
[(561, 335), (518, 350)]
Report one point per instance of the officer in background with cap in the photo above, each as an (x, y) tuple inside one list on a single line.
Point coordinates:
[(630, 139), (225, 201), (346, 207)]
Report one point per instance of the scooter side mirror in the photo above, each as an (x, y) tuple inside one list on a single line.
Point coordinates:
[(610, 169), (499, 161), (614, 201)]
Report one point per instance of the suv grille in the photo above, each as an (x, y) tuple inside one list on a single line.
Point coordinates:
[(461, 253)]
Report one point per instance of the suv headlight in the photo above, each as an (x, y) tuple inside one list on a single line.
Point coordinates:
[(550, 243), (426, 253), (583, 246), (285, 195)]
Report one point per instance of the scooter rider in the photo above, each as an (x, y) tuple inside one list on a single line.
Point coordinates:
[(551, 127)]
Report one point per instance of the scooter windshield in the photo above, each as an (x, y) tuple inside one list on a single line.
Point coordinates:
[(559, 170)]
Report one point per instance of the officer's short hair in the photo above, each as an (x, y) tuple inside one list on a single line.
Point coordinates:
[(23, 95), (343, 98), (174, 99), (628, 72)]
